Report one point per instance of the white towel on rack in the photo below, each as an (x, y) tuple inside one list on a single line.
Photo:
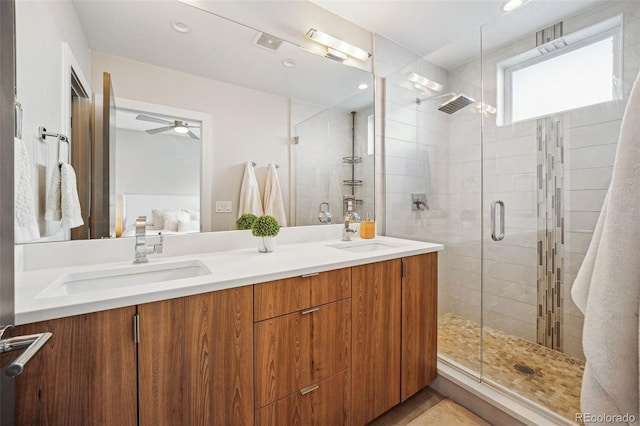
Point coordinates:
[(63, 203), (250, 201), (273, 204), (607, 287), (26, 224)]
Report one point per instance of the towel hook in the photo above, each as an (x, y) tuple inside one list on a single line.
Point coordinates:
[(61, 138)]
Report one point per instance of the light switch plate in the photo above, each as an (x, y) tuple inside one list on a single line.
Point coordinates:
[(223, 206)]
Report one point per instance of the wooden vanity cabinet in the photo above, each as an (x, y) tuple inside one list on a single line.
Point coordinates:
[(376, 339), (394, 333), (84, 375), (196, 359), (303, 350)]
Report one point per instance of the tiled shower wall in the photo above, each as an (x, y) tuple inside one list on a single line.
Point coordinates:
[(324, 139), (429, 151)]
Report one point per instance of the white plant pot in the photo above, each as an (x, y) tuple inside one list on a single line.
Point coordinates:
[(266, 244)]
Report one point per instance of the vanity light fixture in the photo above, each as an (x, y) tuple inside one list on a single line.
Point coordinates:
[(510, 5), (180, 27), (181, 127), (363, 86), (336, 47), (423, 81)]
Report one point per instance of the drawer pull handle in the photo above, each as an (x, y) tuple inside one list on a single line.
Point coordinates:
[(310, 275), (309, 389), (308, 311)]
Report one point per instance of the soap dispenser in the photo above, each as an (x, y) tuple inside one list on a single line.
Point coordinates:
[(368, 228)]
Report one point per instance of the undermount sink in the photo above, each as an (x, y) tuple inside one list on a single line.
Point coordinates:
[(362, 247), (106, 279)]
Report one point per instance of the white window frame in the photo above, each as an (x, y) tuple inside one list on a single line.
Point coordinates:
[(611, 28)]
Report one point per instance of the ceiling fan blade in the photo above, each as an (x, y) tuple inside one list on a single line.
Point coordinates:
[(193, 127), (159, 129), (152, 119), (193, 135)]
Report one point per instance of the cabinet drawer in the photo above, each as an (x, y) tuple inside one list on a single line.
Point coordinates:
[(281, 297), (327, 404), (300, 349)]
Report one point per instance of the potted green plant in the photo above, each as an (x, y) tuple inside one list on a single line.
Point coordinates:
[(246, 221), (265, 228)]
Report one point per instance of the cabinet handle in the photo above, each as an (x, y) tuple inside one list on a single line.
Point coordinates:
[(308, 311), (309, 389), (310, 275)]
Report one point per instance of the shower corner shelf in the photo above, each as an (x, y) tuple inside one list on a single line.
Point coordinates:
[(352, 159), (355, 182)]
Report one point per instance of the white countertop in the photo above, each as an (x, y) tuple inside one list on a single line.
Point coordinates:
[(229, 269)]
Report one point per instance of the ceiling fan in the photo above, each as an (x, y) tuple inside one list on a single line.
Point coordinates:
[(179, 126)]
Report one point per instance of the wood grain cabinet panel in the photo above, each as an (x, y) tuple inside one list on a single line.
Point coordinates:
[(282, 297), (297, 350), (196, 359), (376, 339), (326, 405), (84, 375), (419, 319)]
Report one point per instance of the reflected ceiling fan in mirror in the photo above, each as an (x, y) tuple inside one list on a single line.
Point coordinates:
[(179, 126)]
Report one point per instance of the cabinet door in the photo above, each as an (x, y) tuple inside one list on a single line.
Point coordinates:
[(376, 339), (323, 404), (84, 375), (297, 350), (419, 322), (196, 359)]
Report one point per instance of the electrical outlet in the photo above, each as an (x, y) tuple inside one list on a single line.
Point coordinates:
[(223, 206)]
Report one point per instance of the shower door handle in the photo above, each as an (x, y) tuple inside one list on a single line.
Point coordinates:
[(500, 235)]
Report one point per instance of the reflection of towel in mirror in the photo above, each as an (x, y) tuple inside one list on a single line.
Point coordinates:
[(607, 287), (250, 201), (273, 204), (26, 225), (62, 202)]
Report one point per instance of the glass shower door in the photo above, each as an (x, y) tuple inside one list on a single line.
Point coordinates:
[(548, 154)]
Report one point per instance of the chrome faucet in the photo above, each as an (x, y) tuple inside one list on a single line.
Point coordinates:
[(347, 232), (142, 249)]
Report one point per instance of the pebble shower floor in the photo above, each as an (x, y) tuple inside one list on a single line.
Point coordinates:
[(542, 375)]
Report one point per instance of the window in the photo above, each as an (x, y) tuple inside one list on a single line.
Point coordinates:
[(574, 71)]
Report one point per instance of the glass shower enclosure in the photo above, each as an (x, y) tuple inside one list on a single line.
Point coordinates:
[(511, 134)]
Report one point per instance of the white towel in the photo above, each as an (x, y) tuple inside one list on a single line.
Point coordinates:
[(250, 201), (273, 204), (607, 288), (26, 224), (62, 202)]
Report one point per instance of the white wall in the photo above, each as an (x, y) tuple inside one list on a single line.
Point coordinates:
[(41, 28), (156, 164), (247, 125)]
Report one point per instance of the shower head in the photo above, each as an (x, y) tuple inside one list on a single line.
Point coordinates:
[(456, 104)]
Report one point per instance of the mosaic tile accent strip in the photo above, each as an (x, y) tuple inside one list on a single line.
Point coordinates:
[(542, 375), (550, 140)]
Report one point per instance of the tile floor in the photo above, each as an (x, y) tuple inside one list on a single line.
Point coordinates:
[(540, 374)]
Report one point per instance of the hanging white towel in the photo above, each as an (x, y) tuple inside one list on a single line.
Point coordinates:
[(607, 288), (54, 196), (63, 203), (250, 201), (26, 224), (273, 204)]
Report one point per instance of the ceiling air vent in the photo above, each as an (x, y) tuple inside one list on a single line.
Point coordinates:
[(267, 41)]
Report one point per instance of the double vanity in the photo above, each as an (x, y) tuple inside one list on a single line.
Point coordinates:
[(317, 332)]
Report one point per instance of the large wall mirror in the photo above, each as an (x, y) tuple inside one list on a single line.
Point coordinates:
[(164, 103)]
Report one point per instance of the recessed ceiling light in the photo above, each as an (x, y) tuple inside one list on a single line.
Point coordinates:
[(180, 27), (288, 63), (510, 5), (363, 86)]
